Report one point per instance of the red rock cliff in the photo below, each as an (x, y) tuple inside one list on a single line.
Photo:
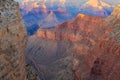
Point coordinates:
[(83, 28)]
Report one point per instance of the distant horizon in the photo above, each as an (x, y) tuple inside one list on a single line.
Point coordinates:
[(115, 2)]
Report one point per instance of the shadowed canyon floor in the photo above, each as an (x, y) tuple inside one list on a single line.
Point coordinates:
[(86, 48)]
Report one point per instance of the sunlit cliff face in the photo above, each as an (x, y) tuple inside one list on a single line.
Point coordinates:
[(117, 10), (35, 4), (65, 4), (97, 4), (62, 1), (43, 6), (80, 15)]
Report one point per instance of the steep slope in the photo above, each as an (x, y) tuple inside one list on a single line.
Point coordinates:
[(77, 27), (32, 18), (115, 16), (114, 20), (66, 43), (12, 42), (49, 21), (86, 48), (103, 59)]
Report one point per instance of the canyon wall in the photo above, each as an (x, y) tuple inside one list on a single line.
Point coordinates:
[(77, 30), (12, 42), (103, 60), (56, 52), (86, 48)]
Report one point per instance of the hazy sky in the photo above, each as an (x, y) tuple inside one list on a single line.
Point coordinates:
[(113, 2)]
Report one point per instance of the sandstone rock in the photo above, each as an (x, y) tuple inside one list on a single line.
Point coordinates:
[(114, 20), (73, 38), (85, 48), (102, 61), (77, 30), (12, 42), (31, 73)]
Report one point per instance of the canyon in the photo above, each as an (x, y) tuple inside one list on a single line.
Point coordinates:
[(45, 14), (85, 48)]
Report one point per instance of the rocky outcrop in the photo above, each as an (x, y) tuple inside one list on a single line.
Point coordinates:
[(102, 61), (114, 20), (50, 21), (31, 73), (70, 36), (115, 15), (77, 29), (12, 42), (86, 48), (67, 43)]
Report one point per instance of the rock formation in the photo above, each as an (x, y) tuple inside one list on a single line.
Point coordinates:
[(96, 8), (12, 42), (50, 21), (102, 61), (86, 48), (31, 73), (77, 29), (114, 20)]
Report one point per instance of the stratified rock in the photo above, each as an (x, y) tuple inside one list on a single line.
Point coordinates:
[(83, 27), (102, 61), (114, 20), (115, 14), (48, 47), (85, 48), (12, 42)]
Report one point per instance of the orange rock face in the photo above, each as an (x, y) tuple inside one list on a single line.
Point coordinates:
[(84, 28)]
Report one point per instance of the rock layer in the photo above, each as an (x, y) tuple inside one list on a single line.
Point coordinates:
[(77, 29), (102, 62), (74, 35), (12, 42), (86, 48)]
